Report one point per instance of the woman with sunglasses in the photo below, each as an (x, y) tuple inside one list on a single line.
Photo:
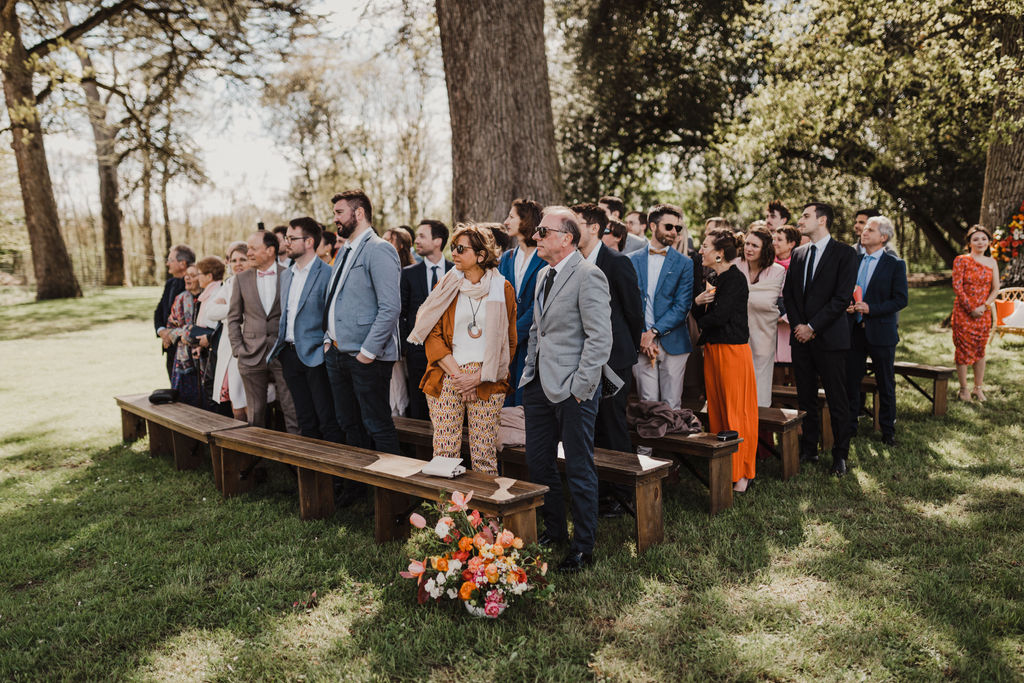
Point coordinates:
[(468, 328)]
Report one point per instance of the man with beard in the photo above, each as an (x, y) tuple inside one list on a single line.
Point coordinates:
[(360, 325), (615, 208)]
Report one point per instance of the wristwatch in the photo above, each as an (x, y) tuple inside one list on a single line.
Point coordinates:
[(657, 334)]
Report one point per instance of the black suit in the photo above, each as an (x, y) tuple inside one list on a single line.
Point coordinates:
[(823, 307), (611, 430), (414, 293), (172, 288), (876, 336)]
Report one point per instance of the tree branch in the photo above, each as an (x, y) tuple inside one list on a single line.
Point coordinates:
[(73, 33)]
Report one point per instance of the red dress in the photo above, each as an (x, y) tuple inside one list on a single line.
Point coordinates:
[(972, 283)]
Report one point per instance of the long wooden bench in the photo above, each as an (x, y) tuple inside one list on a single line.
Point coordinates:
[(938, 374), (643, 475), (783, 422), (397, 479), (175, 429)]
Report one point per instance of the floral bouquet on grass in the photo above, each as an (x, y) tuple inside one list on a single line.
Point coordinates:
[(1008, 240), (474, 561)]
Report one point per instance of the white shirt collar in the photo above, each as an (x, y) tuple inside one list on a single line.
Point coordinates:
[(296, 269), (593, 254), (271, 269), (558, 265), (820, 244), (431, 264)]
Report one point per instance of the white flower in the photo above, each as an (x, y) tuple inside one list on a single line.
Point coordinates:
[(454, 565), (442, 529), (452, 594)]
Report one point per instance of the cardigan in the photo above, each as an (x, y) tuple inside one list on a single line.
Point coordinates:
[(439, 344), (724, 320)]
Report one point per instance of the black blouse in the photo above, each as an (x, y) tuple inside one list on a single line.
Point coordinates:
[(724, 320)]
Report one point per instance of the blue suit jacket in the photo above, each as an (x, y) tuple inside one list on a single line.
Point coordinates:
[(524, 314), (309, 335), (885, 296), (672, 298)]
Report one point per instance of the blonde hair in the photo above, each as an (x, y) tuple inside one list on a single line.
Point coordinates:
[(481, 241)]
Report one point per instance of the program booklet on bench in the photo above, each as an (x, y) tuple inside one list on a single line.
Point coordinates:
[(448, 468)]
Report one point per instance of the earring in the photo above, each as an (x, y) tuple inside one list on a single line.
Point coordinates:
[(718, 259)]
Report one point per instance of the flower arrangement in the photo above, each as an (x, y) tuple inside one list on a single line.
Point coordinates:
[(474, 561), (1007, 242)]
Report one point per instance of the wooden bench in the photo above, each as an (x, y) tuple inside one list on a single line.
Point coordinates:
[(175, 429), (641, 474), (396, 479), (784, 396), (784, 422), (938, 374)]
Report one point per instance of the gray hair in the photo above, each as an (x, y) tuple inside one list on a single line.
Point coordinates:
[(884, 226), (570, 224)]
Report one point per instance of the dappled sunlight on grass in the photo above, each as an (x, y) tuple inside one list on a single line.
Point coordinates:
[(193, 655)]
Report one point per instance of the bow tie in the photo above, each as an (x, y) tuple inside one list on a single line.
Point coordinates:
[(264, 273), (654, 252)]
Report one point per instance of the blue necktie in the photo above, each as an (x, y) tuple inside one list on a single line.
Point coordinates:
[(862, 278)]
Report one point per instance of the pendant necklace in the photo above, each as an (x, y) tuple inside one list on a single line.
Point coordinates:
[(473, 329)]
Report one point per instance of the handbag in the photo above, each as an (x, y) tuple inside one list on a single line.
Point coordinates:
[(161, 396)]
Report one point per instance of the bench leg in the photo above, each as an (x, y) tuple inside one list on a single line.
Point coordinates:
[(719, 484), (160, 443), (186, 452), (826, 429), (650, 527), (523, 524), (316, 494), (388, 505), (215, 462), (876, 412), (232, 464), (133, 427), (789, 443), (939, 390)]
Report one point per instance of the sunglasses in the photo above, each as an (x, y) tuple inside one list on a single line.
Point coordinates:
[(671, 227), (461, 248), (542, 231)]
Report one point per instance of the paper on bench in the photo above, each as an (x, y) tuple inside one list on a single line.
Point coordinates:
[(396, 465), (504, 484), (647, 462), (447, 468)]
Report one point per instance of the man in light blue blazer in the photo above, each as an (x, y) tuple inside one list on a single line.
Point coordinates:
[(300, 336), (360, 326), (666, 282)]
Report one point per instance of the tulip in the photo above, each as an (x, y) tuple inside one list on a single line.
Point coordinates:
[(417, 520)]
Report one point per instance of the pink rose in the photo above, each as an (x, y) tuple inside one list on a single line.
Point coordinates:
[(493, 609)]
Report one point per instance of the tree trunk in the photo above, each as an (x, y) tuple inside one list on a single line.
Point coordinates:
[(147, 218), (503, 133), (55, 277), (164, 179), (1004, 165)]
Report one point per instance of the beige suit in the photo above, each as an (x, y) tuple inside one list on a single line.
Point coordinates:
[(252, 332)]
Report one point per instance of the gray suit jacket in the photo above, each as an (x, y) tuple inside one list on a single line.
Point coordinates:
[(251, 330), (571, 335), (635, 243), (369, 300)]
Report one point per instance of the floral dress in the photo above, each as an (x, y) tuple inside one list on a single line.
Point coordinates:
[(185, 373), (972, 283)]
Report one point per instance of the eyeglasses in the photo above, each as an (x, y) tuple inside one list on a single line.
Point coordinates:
[(461, 248), (289, 239), (542, 231), (671, 227)]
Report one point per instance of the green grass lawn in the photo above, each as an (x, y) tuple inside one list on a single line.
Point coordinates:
[(115, 566)]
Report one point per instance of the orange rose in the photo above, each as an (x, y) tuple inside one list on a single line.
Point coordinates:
[(506, 537), (475, 563), (442, 565), (465, 544), (466, 591), (498, 549), (479, 541), (517, 543), (491, 573)]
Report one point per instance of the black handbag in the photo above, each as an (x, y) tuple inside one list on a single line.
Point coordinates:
[(161, 396)]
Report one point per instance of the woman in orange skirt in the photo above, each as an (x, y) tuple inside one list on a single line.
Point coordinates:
[(730, 385)]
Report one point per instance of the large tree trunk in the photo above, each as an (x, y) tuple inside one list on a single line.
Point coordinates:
[(503, 132), (165, 209), (55, 277), (147, 218), (1004, 165)]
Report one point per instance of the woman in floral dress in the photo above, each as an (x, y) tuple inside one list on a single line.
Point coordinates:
[(976, 283)]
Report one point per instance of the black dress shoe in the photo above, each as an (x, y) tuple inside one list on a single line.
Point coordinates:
[(547, 540), (574, 562), (889, 439), (808, 457), (838, 467)]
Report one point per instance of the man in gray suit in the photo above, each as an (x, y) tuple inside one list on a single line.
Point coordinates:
[(254, 315), (360, 325), (570, 343), (300, 337)]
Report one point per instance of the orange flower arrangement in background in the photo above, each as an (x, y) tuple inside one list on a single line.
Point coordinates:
[(1007, 241)]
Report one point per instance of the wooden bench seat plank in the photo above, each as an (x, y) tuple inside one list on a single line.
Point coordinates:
[(182, 418), (939, 374)]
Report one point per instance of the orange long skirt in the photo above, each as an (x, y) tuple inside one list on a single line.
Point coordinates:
[(732, 400)]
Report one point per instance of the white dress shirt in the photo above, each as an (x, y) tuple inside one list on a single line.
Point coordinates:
[(555, 268), (655, 262), (266, 285), (593, 254), (819, 250), (520, 268), (430, 266), (299, 277)]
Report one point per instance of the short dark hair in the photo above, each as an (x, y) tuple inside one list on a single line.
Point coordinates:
[(640, 216), (822, 210), (309, 227), (270, 241), (767, 257), (529, 213), (356, 199), (724, 241), (211, 265), (592, 213), (501, 238), (438, 230), (867, 213), (280, 230), (183, 252), (792, 234), (409, 229), (328, 237), (659, 210), (614, 204), (618, 230), (481, 239), (776, 206)]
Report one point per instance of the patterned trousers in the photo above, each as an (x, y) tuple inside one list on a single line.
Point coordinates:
[(447, 411)]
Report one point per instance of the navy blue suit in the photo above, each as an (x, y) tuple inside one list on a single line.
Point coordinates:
[(172, 288), (524, 315), (876, 336), (302, 361)]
